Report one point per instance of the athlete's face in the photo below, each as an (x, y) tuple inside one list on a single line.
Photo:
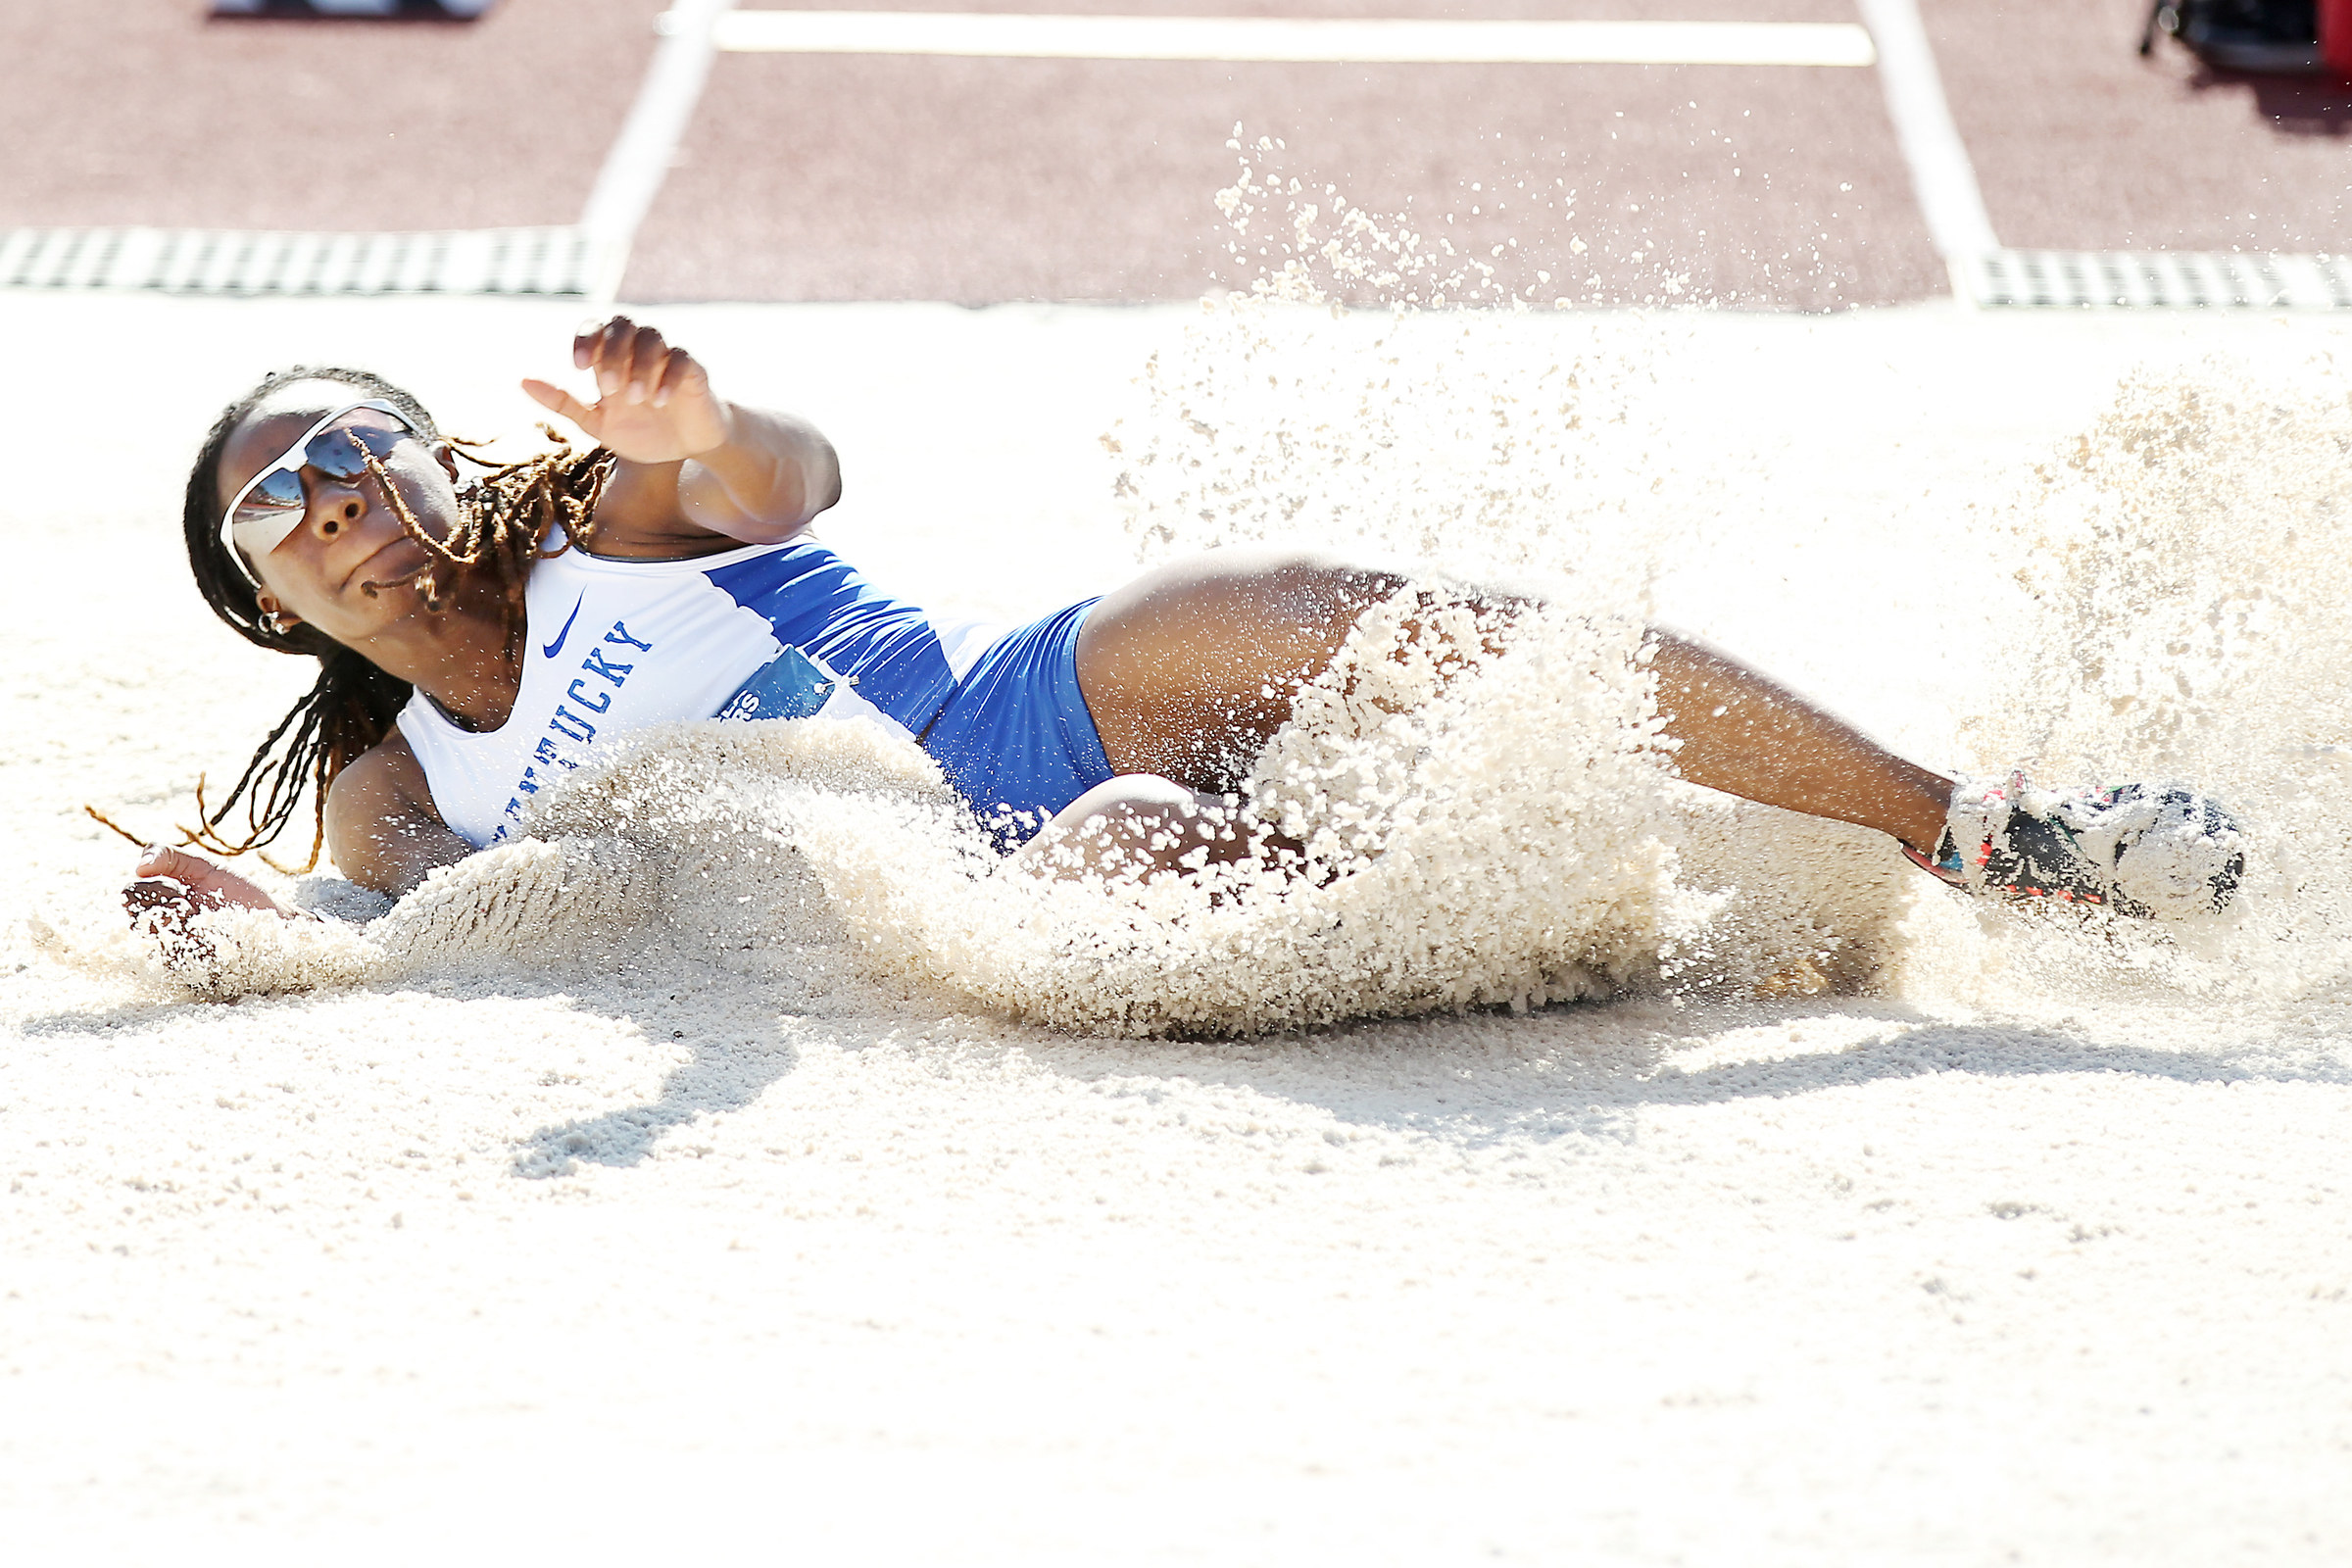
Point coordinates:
[(332, 569)]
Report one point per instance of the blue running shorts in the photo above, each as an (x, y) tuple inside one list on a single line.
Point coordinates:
[(1015, 738)]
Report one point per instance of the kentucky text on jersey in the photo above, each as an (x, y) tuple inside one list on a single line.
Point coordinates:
[(569, 725), (678, 640)]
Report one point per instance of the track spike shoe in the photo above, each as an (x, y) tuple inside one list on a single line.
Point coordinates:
[(2152, 851)]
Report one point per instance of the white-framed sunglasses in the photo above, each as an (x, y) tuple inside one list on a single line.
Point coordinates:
[(271, 504)]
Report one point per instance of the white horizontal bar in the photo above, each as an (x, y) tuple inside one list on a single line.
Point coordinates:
[(1386, 41)]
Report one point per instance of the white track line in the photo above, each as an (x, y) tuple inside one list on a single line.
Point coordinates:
[(1273, 38), (640, 155), (1941, 176)]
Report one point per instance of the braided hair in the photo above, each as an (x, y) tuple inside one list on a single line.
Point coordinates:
[(503, 519)]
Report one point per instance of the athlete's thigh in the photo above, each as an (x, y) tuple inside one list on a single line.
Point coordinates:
[(1189, 669)]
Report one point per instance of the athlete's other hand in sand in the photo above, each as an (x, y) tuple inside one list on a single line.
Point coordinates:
[(174, 879), (173, 887)]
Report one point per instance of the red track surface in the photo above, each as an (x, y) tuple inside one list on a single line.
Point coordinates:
[(2079, 144), (864, 177), (145, 112)]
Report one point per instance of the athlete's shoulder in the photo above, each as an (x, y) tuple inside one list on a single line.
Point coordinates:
[(382, 827), (384, 780)]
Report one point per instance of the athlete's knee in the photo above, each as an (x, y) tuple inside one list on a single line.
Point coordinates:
[(1137, 824), (1131, 794)]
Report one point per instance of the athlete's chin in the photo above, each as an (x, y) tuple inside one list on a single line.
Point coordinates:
[(396, 564)]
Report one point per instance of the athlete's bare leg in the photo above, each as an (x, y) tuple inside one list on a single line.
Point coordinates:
[(1189, 669), (1746, 735)]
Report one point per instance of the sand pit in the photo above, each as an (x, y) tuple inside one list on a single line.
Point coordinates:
[(703, 1229)]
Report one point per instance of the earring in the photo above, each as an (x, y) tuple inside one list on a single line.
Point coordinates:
[(273, 624)]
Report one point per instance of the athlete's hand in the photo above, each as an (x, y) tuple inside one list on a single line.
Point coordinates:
[(175, 886), (654, 402)]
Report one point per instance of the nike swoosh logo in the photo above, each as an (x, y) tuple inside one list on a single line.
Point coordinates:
[(556, 647)]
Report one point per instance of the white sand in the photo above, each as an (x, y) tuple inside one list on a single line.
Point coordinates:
[(2039, 1252)]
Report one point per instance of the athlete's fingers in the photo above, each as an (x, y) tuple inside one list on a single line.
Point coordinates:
[(158, 903), (173, 883), (550, 396), (586, 338), (683, 374), (583, 343), (156, 893), (645, 363), (613, 355), (162, 859)]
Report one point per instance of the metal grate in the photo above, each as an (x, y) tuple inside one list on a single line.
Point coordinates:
[(2157, 280), (202, 261)]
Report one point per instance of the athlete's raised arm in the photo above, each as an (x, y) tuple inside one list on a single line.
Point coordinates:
[(692, 465)]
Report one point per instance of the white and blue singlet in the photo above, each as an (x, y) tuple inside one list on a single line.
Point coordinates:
[(612, 646)]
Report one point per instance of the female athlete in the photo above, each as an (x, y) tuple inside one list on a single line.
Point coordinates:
[(475, 642)]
